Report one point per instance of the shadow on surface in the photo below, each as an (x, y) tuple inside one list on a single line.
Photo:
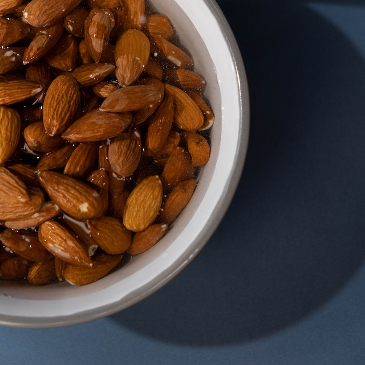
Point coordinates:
[(294, 234)]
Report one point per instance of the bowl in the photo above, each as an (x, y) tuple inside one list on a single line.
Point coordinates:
[(205, 32)]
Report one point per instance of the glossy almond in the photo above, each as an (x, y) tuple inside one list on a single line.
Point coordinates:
[(57, 159), (98, 27), (74, 197), (59, 241), (159, 25), (25, 172), (143, 204), (61, 104), (74, 22), (11, 58), (130, 98), (12, 188), (104, 89), (93, 73), (128, 70), (40, 72), (110, 234), (24, 244), (48, 211), (14, 91), (185, 79), (42, 13), (153, 69), (10, 129), (133, 13), (142, 241), (81, 160), (14, 268), (7, 6), (39, 140), (188, 115), (206, 110), (82, 275), (42, 273), (12, 31), (97, 126), (100, 178), (124, 154), (177, 200), (198, 148)]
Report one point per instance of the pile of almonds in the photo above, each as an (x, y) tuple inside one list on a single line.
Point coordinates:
[(103, 130)]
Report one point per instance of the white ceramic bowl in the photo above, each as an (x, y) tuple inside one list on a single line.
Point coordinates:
[(205, 32)]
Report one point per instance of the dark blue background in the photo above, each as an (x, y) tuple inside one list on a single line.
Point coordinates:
[(282, 281)]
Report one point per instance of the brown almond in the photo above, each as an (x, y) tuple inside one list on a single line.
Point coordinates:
[(74, 22), (91, 74), (153, 69), (14, 91), (159, 25), (39, 72), (97, 126), (48, 211), (104, 3), (172, 53), (24, 244), (143, 204), (42, 13), (81, 160), (12, 31), (173, 140), (64, 54), (188, 115), (42, 43), (5, 253), (11, 59), (42, 273), (124, 154), (10, 129), (55, 160), (60, 266), (177, 200), (128, 70), (133, 13), (142, 241), (185, 79), (206, 110), (98, 27), (103, 161), (38, 140), (84, 54), (178, 168), (100, 178), (15, 268), (130, 98), (198, 148), (104, 89), (26, 173), (59, 241), (74, 197), (110, 234), (7, 6), (61, 104), (160, 124), (82, 275)]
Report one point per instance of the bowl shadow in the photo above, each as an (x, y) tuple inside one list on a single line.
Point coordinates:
[(294, 234)]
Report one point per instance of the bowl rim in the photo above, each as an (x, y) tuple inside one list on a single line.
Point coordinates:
[(205, 234)]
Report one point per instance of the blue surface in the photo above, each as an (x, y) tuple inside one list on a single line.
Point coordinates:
[(282, 281)]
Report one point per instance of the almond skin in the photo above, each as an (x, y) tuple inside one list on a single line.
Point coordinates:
[(198, 148), (82, 160), (93, 73), (74, 22), (55, 160), (97, 126), (10, 129), (14, 268), (124, 154), (60, 242), (61, 104), (7, 6), (42, 273), (42, 13), (159, 25), (14, 91), (110, 234), (12, 31), (74, 197), (134, 13), (143, 204), (11, 58)]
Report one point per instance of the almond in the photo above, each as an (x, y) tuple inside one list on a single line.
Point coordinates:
[(143, 204), (124, 154), (134, 13), (185, 79), (38, 140), (82, 275), (24, 172), (160, 124), (142, 241), (60, 266), (97, 126), (207, 111), (177, 200), (84, 54), (74, 22), (170, 145), (24, 244), (39, 72), (59, 241), (61, 104), (81, 160), (98, 27), (74, 197), (7, 6), (10, 129), (100, 178), (14, 268), (198, 148), (55, 160), (12, 31), (42, 43), (159, 25), (42, 13), (42, 273), (153, 69), (48, 211), (188, 115), (14, 91), (130, 98), (110, 234), (103, 161), (11, 58), (104, 89), (91, 74), (128, 70)]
